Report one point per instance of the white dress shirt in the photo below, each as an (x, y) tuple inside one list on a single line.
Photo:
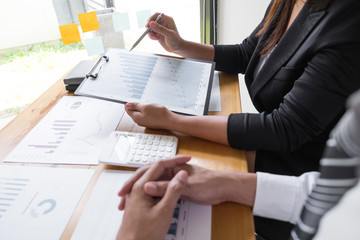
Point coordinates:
[(282, 197)]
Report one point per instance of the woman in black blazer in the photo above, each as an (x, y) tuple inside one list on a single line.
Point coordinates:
[(309, 54)]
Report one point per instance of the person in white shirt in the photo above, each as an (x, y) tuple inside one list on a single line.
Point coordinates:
[(271, 196)]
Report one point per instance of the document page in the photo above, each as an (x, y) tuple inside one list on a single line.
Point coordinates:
[(182, 85), (215, 98), (37, 202), (71, 133), (101, 219)]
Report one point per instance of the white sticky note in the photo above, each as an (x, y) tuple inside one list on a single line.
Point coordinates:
[(94, 46), (121, 22)]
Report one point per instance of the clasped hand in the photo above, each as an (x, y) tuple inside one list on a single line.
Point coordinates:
[(169, 179)]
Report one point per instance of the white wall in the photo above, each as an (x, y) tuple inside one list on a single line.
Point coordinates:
[(236, 20), (32, 21)]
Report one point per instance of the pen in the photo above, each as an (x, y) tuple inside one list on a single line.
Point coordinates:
[(158, 18)]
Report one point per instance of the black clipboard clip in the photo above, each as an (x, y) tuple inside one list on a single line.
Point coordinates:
[(90, 73)]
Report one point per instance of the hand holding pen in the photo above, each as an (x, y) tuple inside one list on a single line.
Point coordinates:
[(164, 31), (158, 18)]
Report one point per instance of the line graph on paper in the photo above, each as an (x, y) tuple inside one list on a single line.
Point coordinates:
[(71, 133), (176, 83), (91, 137)]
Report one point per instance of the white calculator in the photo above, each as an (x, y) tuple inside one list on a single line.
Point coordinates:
[(137, 149)]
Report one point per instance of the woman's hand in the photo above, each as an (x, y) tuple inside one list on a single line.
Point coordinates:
[(165, 32), (144, 216), (150, 115)]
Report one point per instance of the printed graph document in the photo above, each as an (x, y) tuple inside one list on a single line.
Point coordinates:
[(37, 202), (71, 133), (182, 85), (101, 219)]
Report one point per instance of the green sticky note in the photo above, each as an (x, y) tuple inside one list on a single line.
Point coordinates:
[(94, 46), (121, 22), (143, 17)]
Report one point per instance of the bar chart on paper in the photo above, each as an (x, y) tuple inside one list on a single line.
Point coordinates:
[(59, 131), (71, 133), (31, 208), (132, 76), (10, 189)]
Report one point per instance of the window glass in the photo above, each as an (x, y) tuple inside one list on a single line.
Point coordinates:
[(32, 53)]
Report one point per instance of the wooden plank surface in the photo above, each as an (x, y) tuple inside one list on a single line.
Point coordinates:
[(229, 220)]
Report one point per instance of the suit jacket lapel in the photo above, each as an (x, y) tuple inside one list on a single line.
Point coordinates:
[(287, 46)]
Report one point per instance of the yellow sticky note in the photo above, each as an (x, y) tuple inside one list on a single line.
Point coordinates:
[(70, 33), (88, 21)]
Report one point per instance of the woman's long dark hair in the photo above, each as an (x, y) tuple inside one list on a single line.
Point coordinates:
[(281, 11)]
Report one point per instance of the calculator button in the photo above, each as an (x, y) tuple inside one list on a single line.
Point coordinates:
[(137, 149)]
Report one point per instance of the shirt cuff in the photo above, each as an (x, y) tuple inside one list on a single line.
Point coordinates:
[(282, 197)]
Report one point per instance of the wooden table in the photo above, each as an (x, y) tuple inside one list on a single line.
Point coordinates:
[(229, 220)]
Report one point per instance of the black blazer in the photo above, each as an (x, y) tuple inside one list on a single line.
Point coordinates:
[(301, 90)]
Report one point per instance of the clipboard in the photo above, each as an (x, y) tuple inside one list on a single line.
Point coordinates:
[(182, 85)]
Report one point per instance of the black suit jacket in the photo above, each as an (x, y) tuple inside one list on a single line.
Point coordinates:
[(300, 92)]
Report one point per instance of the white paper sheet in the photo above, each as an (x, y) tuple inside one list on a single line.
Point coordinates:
[(215, 99), (101, 219), (246, 104), (37, 202), (71, 133)]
